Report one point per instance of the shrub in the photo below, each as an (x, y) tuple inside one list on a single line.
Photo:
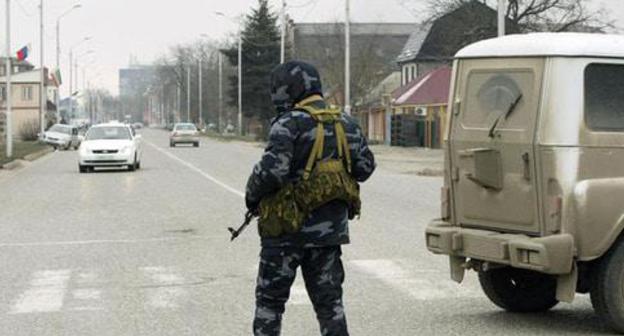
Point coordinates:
[(29, 130)]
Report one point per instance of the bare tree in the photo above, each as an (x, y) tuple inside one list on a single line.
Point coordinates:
[(539, 15)]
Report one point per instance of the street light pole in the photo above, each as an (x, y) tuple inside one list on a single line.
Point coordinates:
[(240, 72), (347, 88), (8, 121), (188, 93), (43, 95), (219, 120), (71, 92), (200, 91), (240, 82), (58, 56), (501, 18), (283, 33)]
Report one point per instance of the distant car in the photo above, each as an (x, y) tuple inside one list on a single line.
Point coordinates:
[(63, 136), (184, 133), (110, 145), (137, 125)]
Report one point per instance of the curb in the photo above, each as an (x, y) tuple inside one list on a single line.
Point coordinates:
[(13, 165), (36, 155), (19, 163)]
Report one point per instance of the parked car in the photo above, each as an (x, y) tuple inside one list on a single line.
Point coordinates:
[(137, 125), (184, 133), (534, 181), (110, 145), (63, 136)]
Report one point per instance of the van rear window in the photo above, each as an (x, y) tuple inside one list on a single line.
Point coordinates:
[(604, 98)]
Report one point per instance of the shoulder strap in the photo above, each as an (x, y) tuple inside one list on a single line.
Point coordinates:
[(326, 116)]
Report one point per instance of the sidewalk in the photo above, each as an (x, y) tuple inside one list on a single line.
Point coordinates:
[(410, 160), (23, 150)]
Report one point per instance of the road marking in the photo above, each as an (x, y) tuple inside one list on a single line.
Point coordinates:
[(46, 292), (86, 294), (429, 284), (167, 290), (197, 170), (105, 241)]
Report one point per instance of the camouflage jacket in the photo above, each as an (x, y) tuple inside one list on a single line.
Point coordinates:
[(290, 142)]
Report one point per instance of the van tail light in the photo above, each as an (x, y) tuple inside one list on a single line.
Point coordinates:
[(445, 202)]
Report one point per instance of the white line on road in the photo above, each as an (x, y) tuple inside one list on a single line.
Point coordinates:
[(197, 170), (46, 292), (104, 241)]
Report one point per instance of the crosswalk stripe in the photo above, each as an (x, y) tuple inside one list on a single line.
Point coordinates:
[(164, 287), (46, 292), (429, 284), (167, 291)]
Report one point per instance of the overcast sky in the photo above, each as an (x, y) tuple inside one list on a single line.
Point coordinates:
[(146, 28)]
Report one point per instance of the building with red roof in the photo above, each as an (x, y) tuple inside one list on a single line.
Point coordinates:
[(424, 100)]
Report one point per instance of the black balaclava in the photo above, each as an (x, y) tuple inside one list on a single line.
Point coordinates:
[(292, 82)]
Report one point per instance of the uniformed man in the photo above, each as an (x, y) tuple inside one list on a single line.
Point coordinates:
[(305, 190)]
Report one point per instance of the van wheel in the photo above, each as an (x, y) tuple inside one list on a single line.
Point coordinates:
[(84, 169), (607, 292), (518, 290)]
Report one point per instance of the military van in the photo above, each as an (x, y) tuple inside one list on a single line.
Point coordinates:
[(533, 195)]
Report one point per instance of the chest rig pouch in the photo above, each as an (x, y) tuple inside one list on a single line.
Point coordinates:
[(324, 180)]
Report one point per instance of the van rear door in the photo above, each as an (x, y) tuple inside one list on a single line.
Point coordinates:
[(492, 143)]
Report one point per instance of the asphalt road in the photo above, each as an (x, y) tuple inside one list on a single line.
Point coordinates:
[(147, 253)]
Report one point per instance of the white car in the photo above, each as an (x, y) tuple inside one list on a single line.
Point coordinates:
[(62, 136), (110, 145), (185, 133)]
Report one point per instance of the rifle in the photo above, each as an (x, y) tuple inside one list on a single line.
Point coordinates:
[(235, 233)]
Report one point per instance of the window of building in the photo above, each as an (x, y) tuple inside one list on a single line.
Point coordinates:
[(405, 80), (27, 93), (604, 102), (2, 93)]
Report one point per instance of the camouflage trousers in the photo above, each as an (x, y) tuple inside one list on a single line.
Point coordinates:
[(323, 275)]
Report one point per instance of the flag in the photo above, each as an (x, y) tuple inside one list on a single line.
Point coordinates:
[(22, 54), (56, 77)]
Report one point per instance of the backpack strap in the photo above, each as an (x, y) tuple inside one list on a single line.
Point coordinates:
[(322, 117)]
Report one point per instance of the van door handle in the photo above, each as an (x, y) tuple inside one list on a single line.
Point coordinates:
[(527, 167)]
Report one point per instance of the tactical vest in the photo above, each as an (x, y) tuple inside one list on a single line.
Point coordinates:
[(324, 180)]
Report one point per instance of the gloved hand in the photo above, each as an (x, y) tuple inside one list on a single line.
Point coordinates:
[(253, 207)]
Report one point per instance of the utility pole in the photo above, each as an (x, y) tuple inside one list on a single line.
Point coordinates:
[(71, 88), (179, 103), (347, 89), (58, 56), (240, 81), (283, 33), (219, 120), (43, 95), (188, 93), (501, 17), (200, 91), (8, 67)]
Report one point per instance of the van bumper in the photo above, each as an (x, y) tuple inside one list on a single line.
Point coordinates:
[(551, 254)]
